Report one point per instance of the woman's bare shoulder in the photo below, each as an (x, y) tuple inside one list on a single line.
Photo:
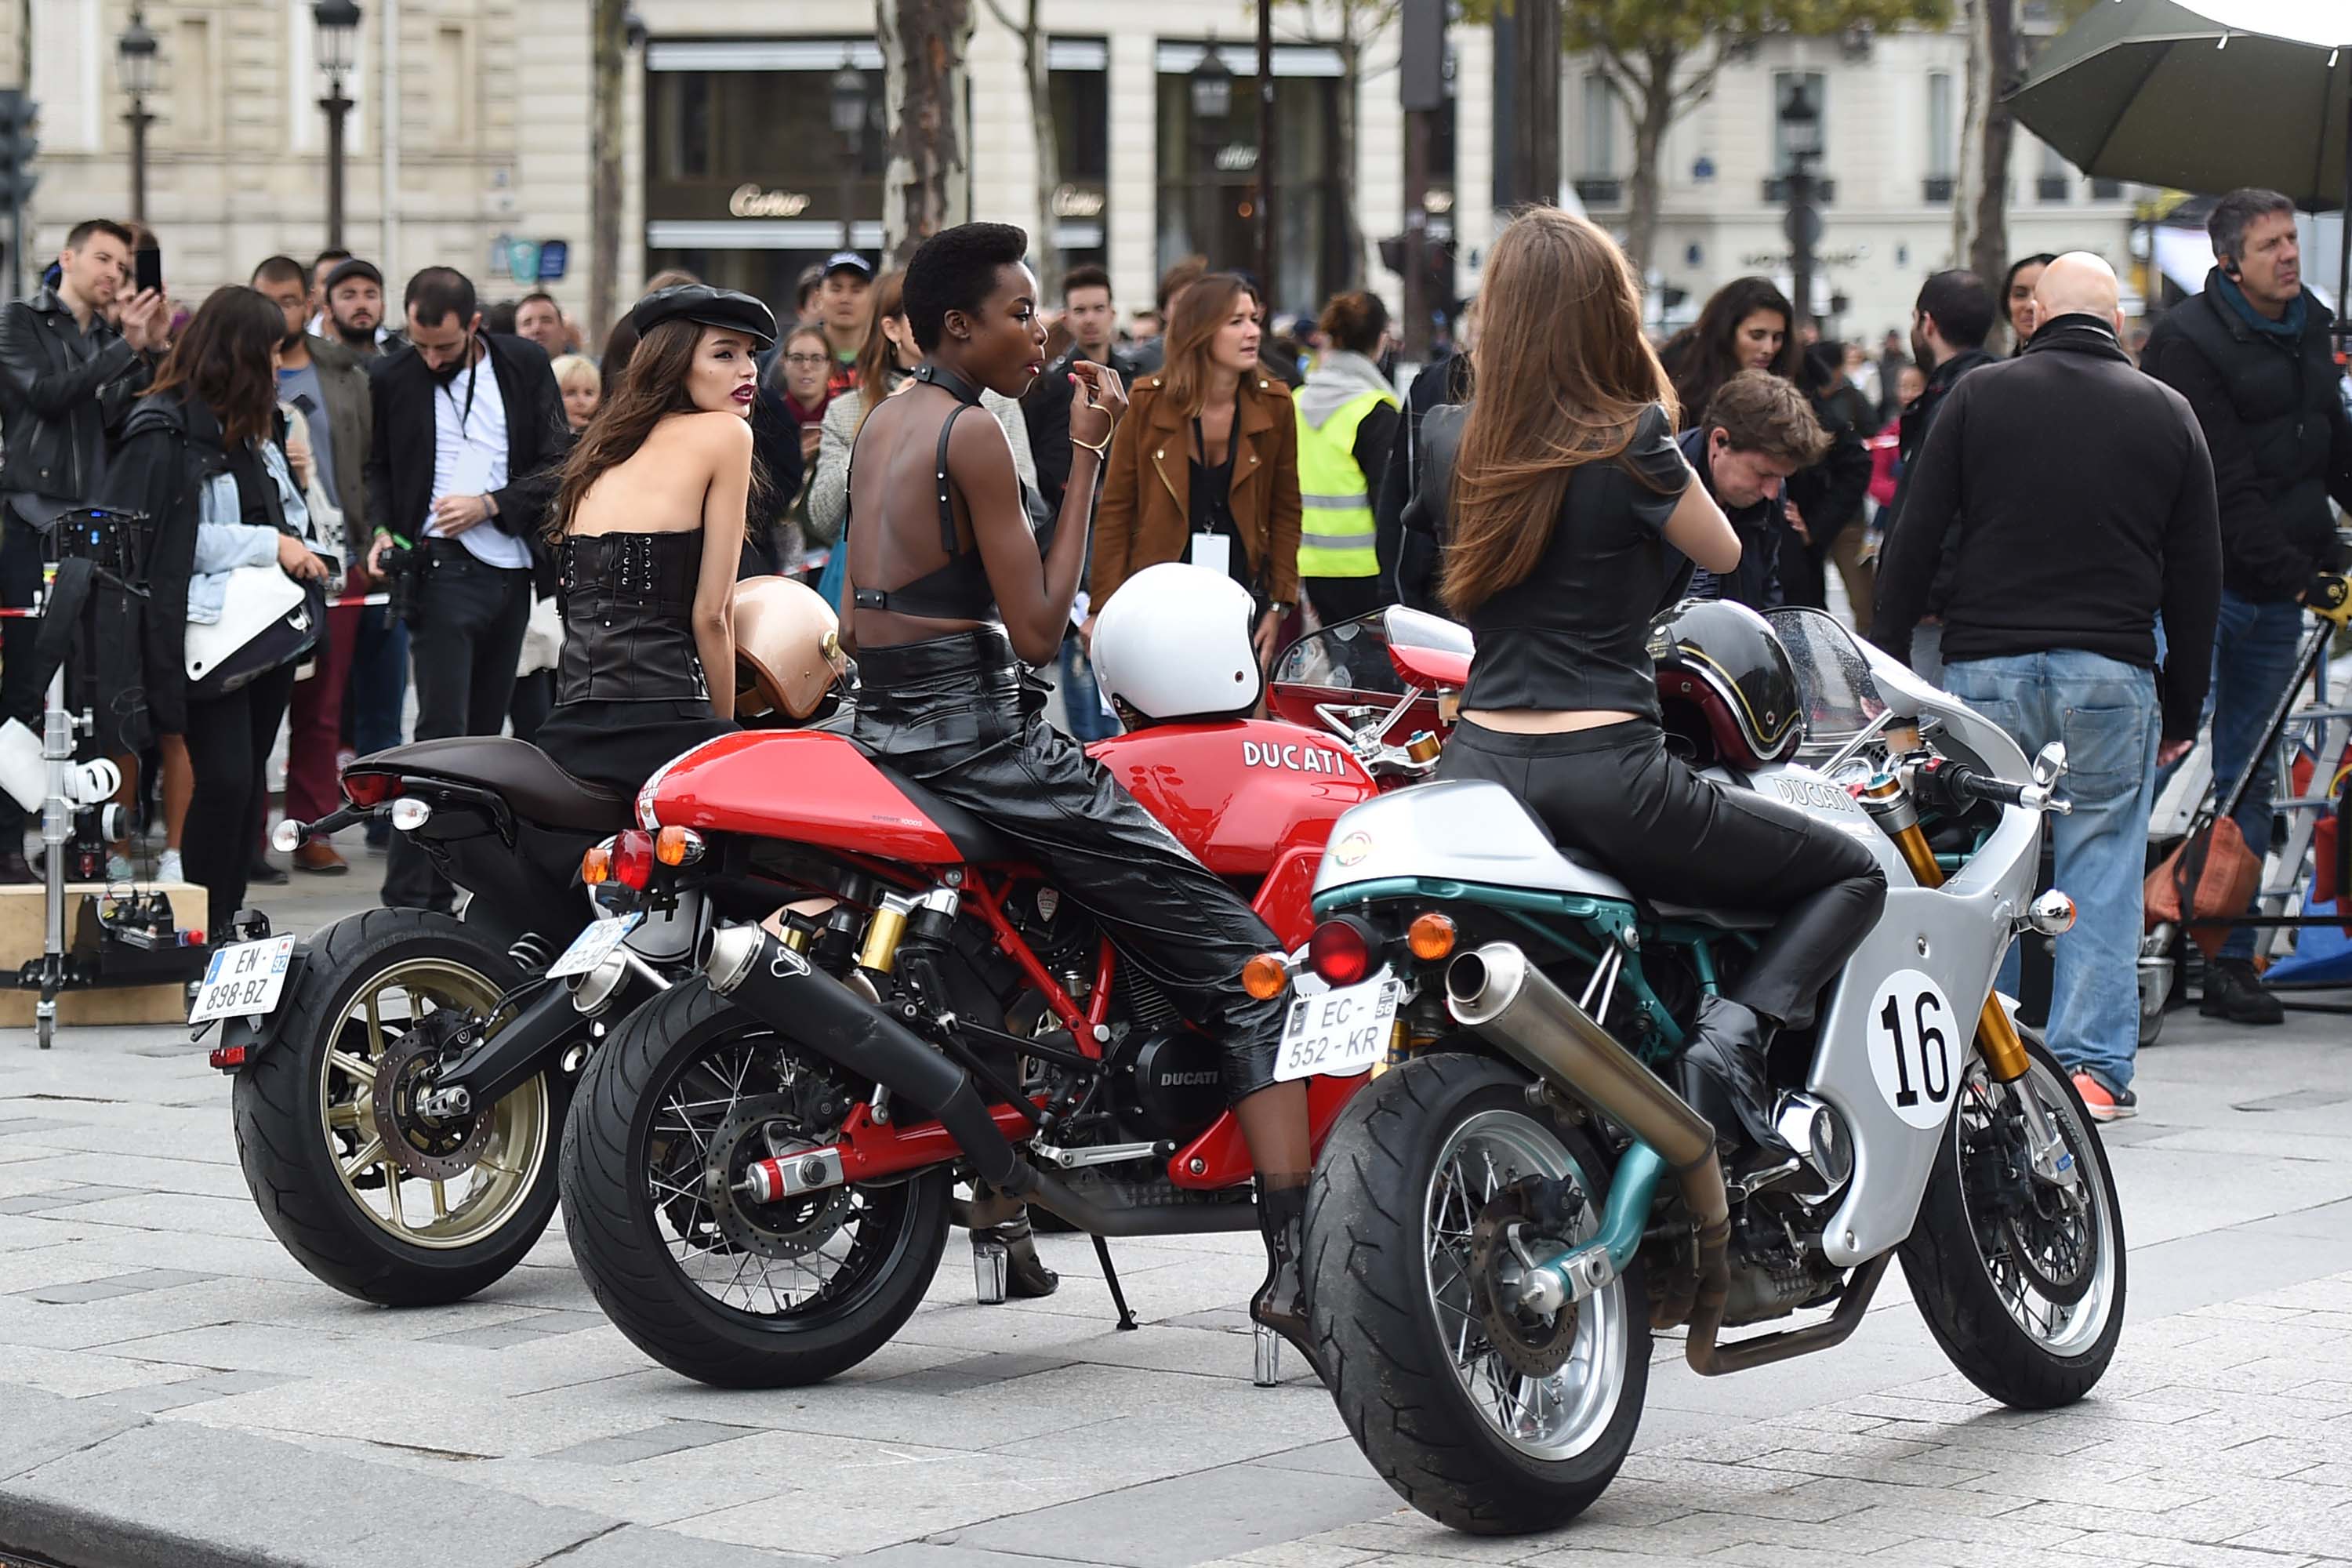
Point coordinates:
[(716, 430)]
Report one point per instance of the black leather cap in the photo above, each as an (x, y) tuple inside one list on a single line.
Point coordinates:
[(700, 303)]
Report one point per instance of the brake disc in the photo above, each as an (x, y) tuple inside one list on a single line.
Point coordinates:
[(790, 1227), (1532, 1343), (421, 1145)]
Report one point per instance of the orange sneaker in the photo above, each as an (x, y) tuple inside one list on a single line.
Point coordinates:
[(2104, 1104)]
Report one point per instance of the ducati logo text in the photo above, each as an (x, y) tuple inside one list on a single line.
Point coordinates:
[(1297, 759)]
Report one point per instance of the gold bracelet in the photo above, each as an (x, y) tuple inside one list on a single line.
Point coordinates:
[(1091, 447)]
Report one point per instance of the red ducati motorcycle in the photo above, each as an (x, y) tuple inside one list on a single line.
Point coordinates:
[(757, 1172)]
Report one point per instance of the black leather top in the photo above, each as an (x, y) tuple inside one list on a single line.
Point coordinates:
[(628, 619)]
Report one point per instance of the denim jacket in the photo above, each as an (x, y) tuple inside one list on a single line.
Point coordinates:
[(225, 541)]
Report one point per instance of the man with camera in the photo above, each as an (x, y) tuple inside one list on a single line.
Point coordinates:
[(468, 428), (67, 379)]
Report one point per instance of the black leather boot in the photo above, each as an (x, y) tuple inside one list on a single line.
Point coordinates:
[(1026, 1275), (1280, 1303), (1721, 1072)]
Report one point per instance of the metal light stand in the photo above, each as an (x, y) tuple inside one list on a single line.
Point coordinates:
[(57, 730)]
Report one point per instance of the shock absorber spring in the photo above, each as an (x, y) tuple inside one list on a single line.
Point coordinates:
[(532, 952)]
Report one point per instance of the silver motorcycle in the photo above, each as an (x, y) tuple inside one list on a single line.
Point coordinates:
[(1505, 1215)]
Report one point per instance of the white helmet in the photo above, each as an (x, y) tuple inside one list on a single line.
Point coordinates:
[(1174, 643)]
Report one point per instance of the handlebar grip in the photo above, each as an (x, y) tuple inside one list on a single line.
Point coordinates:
[(1965, 782)]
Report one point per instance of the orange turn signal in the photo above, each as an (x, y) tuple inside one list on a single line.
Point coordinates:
[(596, 866), (677, 846), (1266, 976), (1431, 937)]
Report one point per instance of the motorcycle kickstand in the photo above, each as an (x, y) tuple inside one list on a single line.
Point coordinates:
[(1127, 1322)]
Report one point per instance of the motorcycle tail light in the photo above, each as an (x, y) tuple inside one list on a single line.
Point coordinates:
[(1340, 952), (1431, 937), (596, 866), (1266, 976), (677, 846), (632, 860), (367, 791)]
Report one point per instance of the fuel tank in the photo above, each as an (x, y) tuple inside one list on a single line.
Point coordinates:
[(1235, 793), (807, 785)]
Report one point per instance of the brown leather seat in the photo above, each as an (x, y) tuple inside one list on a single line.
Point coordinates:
[(519, 773)]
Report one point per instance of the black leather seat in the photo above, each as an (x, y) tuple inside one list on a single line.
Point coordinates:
[(978, 842), (519, 773)]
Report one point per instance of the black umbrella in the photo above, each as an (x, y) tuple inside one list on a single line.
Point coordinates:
[(2159, 92)]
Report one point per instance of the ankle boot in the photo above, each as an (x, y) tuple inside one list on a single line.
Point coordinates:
[(1721, 1072), (1280, 1303), (1025, 1275)]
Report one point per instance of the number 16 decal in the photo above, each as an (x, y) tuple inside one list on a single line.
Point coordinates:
[(1912, 1047)]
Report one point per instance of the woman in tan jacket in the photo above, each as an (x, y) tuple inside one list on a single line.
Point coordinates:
[(1205, 467)]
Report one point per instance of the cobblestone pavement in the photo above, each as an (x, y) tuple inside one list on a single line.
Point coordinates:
[(173, 1389)]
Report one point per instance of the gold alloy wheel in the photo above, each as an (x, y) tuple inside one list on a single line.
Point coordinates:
[(488, 1164)]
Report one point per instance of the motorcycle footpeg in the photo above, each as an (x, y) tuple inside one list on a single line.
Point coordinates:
[(992, 1268), (1266, 1369)]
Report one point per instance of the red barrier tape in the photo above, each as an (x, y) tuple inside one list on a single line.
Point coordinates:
[(34, 613)]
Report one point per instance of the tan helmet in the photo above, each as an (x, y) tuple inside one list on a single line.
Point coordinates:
[(787, 648)]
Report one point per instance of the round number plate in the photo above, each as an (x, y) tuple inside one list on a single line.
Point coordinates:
[(1915, 1046)]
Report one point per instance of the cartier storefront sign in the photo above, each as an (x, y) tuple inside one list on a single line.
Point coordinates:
[(750, 201)]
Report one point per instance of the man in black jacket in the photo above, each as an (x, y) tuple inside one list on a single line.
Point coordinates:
[(2073, 498), (1948, 327), (469, 429), (1757, 431), (67, 380), (2251, 355)]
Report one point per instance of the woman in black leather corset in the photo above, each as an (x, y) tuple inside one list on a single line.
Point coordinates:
[(953, 594), (649, 524)]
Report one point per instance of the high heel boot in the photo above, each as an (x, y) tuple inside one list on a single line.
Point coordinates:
[(1721, 1072), (1280, 1305)]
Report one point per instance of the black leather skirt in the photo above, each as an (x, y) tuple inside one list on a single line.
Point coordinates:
[(960, 715)]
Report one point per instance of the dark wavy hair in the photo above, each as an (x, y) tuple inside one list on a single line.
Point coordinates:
[(1703, 356), (222, 359), (649, 389)]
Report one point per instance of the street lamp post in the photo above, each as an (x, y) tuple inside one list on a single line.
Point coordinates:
[(1212, 87), (339, 25), (135, 53), (1800, 137), (849, 112)]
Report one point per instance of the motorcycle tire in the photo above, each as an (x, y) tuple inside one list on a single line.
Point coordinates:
[(294, 1166), (1955, 1259), (1388, 1340), (614, 1225)]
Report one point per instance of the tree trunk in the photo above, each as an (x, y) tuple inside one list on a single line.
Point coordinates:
[(1988, 253), (608, 59), (928, 185), (1535, 137), (1351, 84), (1968, 193), (1651, 119), (1033, 41)]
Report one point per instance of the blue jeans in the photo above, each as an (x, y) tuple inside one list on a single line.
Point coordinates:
[(378, 691), (2253, 658), (1080, 697), (2105, 712)]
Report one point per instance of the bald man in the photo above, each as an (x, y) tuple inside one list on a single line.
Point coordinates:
[(2073, 498)]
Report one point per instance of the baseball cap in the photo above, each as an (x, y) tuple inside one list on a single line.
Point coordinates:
[(848, 261), (353, 266)]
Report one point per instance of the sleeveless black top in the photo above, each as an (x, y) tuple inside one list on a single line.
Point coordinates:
[(1574, 633), (628, 619)]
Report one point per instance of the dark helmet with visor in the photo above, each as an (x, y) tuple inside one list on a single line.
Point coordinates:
[(1727, 686)]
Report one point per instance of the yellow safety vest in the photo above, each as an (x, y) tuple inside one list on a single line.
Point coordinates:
[(1337, 533)]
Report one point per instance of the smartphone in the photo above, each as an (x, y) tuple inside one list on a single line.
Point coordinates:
[(147, 270)]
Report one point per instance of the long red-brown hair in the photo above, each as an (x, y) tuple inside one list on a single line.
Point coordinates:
[(878, 360), (1561, 375)]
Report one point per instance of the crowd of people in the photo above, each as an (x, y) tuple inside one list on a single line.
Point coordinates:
[(2080, 538)]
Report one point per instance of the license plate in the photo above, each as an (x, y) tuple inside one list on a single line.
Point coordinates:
[(595, 945), (244, 981), (1340, 1033)]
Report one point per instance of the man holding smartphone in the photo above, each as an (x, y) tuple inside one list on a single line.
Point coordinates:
[(67, 380)]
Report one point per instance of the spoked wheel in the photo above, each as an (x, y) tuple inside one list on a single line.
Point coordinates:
[(2018, 1258), (1435, 1190), (366, 1189), (701, 1277)]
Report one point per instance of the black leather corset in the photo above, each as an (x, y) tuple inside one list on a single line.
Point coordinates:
[(628, 619)]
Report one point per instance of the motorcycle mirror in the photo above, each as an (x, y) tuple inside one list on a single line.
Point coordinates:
[(2050, 763)]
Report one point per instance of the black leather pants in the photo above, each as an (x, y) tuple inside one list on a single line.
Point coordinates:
[(1616, 798), (956, 715)]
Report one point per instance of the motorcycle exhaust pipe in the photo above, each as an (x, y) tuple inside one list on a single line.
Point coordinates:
[(1495, 992), (746, 964)]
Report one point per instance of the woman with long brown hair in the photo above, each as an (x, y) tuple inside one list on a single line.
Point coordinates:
[(1577, 521), (202, 458), (1746, 324), (647, 525), (1205, 467)]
